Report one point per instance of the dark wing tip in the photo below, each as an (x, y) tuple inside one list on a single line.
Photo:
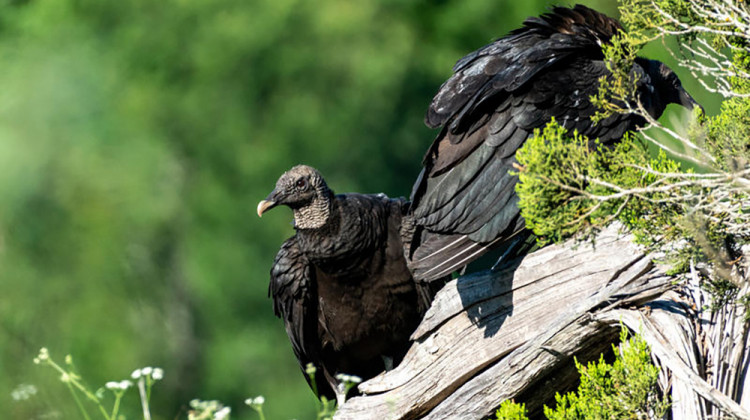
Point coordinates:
[(579, 20)]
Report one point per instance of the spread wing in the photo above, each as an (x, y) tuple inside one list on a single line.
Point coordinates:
[(512, 61), (464, 201), (292, 289)]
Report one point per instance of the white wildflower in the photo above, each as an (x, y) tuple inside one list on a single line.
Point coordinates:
[(157, 374), (23, 392), (222, 414), (255, 402), (136, 374), (352, 379), (310, 369)]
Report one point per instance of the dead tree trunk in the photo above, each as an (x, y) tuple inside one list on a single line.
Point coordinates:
[(512, 334)]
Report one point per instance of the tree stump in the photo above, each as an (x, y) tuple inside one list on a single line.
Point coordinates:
[(512, 334)]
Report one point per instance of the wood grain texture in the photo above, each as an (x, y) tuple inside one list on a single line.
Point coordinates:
[(493, 336)]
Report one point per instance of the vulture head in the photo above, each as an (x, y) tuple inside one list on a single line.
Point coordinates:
[(302, 189), (664, 88)]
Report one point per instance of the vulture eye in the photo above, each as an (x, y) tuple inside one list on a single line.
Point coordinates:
[(301, 184)]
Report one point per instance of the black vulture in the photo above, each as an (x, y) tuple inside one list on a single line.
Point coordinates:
[(341, 284), (464, 201)]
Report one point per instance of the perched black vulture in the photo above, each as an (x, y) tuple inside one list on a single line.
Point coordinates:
[(464, 201), (340, 284)]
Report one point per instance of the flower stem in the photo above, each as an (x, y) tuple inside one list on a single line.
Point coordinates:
[(144, 399), (116, 407), (78, 401), (72, 382)]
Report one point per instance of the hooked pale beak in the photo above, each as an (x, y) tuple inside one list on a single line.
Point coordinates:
[(273, 200), (265, 205)]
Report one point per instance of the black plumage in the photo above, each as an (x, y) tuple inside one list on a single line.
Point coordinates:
[(341, 284), (464, 201)]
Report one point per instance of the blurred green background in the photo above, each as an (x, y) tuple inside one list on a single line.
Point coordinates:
[(136, 139)]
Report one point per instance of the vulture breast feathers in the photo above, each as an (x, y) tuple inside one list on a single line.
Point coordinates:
[(464, 201), (341, 284)]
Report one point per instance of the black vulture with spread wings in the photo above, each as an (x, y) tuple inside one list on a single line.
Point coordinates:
[(464, 201), (341, 284)]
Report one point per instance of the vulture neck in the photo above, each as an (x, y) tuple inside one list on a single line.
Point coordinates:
[(314, 215)]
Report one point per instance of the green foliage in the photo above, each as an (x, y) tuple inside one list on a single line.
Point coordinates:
[(87, 399), (626, 389), (617, 90), (727, 134), (692, 218), (553, 168), (647, 20), (511, 410), (574, 187), (644, 23)]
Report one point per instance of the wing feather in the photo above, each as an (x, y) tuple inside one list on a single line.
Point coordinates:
[(443, 188), (292, 290), (465, 198)]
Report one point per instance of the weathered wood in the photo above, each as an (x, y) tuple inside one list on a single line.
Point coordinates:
[(497, 335), (672, 356)]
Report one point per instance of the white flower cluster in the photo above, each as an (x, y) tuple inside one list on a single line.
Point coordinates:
[(152, 372), (23, 392), (255, 402), (43, 356), (351, 379), (212, 408), (347, 382), (222, 414), (118, 386)]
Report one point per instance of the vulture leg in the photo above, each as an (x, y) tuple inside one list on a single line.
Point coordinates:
[(340, 397), (337, 387)]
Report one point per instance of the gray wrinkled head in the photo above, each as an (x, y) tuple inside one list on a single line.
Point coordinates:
[(304, 190)]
